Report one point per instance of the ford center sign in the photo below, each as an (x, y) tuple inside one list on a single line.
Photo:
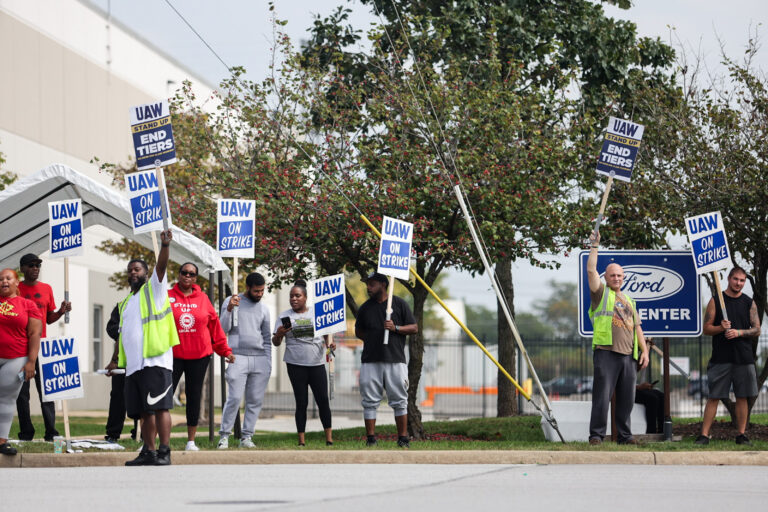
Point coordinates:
[(664, 284)]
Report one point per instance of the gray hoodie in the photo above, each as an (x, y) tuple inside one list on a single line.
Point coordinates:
[(252, 335)]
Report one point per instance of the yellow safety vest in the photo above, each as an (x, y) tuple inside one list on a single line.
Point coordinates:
[(602, 320), (158, 326)]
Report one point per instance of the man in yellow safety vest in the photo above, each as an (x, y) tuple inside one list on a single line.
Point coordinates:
[(147, 335), (618, 347)]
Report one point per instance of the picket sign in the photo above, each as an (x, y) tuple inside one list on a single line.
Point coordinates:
[(235, 220), (394, 256), (617, 156), (709, 248), (329, 307)]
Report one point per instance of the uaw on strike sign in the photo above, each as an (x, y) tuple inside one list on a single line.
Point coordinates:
[(146, 207), (708, 242), (60, 369), (65, 221), (329, 304), (395, 248), (152, 135), (234, 227), (622, 140)]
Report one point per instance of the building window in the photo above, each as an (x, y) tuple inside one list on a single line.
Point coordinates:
[(97, 337)]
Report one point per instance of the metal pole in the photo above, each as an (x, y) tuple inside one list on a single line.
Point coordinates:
[(667, 390), (211, 297), (482, 362)]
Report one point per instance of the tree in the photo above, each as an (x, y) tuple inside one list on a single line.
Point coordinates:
[(706, 151), (6, 178), (538, 49), (560, 309)]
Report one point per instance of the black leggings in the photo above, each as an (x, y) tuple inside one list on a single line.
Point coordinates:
[(315, 377), (194, 374)]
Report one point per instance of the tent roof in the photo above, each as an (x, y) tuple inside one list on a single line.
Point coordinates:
[(24, 218)]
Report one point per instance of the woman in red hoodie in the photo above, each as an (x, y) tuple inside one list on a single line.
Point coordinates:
[(200, 334)]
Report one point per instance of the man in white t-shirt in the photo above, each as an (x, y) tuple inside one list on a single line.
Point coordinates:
[(147, 335)]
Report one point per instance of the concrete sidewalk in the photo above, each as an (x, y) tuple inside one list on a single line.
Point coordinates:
[(331, 456)]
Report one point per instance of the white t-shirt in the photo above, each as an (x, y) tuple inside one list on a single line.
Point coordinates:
[(133, 333), (302, 347)]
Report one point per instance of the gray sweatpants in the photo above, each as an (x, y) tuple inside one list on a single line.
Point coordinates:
[(375, 378), (249, 375), (10, 385), (613, 371)]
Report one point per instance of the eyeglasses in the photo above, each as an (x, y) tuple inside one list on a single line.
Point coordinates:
[(187, 273), (33, 265)]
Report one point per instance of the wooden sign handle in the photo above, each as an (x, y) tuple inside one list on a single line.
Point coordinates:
[(161, 189), (234, 288), (66, 287), (607, 191), (720, 294), (390, 293)]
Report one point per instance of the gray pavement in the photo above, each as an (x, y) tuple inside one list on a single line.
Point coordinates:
[(387, 487)]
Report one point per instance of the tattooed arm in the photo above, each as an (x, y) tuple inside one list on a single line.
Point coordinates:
[(710, 329), (754, 320)]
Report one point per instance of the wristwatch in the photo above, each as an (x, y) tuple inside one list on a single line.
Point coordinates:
[(397, 328)]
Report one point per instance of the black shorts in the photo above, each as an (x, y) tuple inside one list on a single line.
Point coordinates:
[(148, 390)]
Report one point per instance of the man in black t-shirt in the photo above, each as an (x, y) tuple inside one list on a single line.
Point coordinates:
[(733, 360), (383, 366)]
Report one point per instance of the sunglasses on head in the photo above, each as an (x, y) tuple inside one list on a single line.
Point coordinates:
[(187, 273)]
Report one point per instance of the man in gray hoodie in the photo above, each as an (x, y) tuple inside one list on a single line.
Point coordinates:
[(250, 342)]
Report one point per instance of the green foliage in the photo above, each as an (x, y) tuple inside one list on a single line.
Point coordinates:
[(560, 310), (6, 178)]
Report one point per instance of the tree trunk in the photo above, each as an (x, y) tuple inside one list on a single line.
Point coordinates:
[(506, 404), (415, 364)]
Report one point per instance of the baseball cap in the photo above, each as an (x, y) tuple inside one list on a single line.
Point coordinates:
[(29, 258), (375, 276)]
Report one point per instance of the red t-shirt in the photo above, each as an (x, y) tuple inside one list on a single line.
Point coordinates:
[(42, 295), (14, 315), (198, 325)]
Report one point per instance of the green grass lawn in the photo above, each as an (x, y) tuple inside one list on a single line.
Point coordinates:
[(515, 433)]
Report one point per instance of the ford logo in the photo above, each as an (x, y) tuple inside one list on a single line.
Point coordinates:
[(645, 282)]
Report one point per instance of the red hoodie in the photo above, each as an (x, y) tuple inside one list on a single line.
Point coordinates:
[(198, 325)]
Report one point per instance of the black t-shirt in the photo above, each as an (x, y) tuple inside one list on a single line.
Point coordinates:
[(370, 320), (736, 350)]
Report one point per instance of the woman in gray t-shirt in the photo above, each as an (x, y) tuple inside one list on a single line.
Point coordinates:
[(305, 357)]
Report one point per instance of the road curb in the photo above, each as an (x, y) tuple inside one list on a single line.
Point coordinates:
[(51, 460)]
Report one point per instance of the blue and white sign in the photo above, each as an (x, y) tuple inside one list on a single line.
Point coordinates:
[(709, 245), (329, 304), (152, 135), (395, 248), (622, 140), (60, 369), (65, 219), (235, 219), (664, 285), (144, 195)]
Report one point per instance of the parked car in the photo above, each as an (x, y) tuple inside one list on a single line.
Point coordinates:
[(699, 388), (585, 385), (562, 386)]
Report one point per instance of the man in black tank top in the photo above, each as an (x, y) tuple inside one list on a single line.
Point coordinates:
[(733, 360)]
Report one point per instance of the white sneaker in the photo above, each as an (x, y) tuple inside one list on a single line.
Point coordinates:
[(247, 443), (223, 443), (191, 447)]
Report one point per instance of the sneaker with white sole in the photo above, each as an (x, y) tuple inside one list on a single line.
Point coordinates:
[(247, 443), (223, 443), (191, 447)]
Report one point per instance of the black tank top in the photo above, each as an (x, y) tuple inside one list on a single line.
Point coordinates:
[(736, 350)]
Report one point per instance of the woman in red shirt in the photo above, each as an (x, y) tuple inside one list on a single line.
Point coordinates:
[(20, 328), (200, 334)]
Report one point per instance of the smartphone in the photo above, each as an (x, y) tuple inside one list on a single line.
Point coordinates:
[(286, 322), (654, 383)]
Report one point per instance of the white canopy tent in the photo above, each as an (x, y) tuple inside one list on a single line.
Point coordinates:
[(24, 218)]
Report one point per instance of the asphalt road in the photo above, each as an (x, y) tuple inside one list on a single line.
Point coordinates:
[(387, 487)]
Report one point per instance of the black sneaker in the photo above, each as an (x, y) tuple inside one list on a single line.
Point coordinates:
[(403, 442), (145, 458), (7, 449), (703, 440), (743, 439), (163, 456), (111, 439), (371, 441)]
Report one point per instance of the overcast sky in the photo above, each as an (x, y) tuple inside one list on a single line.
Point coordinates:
[(240, 32)]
